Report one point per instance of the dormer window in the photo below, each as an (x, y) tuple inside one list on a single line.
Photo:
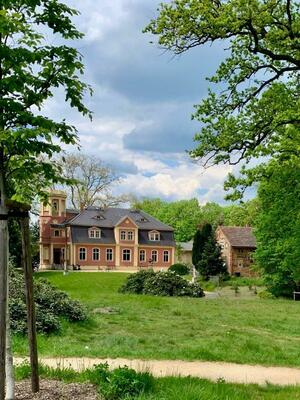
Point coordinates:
[(94, 233), (154, 236)]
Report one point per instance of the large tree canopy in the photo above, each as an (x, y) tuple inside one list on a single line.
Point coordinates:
[(257, 114)]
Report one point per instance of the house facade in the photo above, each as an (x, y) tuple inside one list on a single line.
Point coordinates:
[(237, 244), (184, 252), (102, 238)]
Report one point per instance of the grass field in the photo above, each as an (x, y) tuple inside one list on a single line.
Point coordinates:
[(242, 329), (183, 388)]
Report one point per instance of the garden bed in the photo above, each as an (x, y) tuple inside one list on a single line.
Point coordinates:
[(52, 389)]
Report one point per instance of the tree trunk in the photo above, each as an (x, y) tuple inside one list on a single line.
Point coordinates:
[(3, 281), (31, 321), (9, 372)]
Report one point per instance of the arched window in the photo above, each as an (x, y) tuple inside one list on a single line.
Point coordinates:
[(142, 256), (96, 254), (154, 256), (82, 254), (166, 256), (123, 235), (109, 255), (129, 235)]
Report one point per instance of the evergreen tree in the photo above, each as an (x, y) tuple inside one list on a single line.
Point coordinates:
[(211, 262), (200, 238), (197, 247)]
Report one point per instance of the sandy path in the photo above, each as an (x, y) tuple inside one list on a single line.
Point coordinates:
[(238, 373)]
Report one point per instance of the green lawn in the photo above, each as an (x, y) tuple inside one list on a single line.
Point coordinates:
[(199, 389), (180, 388), (242, 329)]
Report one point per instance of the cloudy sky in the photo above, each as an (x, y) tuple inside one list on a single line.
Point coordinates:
[(142, 103)]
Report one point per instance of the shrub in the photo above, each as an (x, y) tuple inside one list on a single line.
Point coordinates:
[(121, 383), (161, 284), (180, 269), (50, 302), (135, 283), (264, 294)]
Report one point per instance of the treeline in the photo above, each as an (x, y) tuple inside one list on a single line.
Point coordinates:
[(187, 215)]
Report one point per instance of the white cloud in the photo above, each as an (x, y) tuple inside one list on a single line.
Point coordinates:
[(141, 95)]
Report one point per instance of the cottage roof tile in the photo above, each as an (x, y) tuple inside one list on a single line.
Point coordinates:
[(239, 236)]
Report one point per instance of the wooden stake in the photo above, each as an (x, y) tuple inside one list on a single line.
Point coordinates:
[(31, 320), (3, 282)]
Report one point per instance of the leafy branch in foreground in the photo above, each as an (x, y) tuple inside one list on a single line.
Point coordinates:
[(257, 115)]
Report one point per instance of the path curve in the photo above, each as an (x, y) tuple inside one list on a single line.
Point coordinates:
[(230, 372)]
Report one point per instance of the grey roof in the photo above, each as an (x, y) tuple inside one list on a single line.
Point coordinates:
[(166, 239), (72, 211), (186, 246), (239, 236), (110, 217), (80, 235)]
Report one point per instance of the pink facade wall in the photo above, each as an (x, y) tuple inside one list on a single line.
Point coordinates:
[(160, 257), (89, 255)]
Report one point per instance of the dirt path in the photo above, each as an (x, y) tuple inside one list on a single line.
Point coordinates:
[(238, 373)]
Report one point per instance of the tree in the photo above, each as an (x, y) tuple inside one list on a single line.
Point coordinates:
[(278, 229), (200, 238), (210, 262), (187, 215), (30, 70), (91, 181), (257, 114)]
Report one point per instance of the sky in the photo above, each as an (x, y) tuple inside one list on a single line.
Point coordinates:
[(142, 103)]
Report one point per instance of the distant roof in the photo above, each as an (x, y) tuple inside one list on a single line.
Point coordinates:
[(186, 246), (72, 211), (110, 217), (239, 236)]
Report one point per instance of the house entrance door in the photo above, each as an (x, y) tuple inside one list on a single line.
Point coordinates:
[(57, 256)]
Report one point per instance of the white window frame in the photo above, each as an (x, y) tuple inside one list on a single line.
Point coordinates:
[(93, 254), (131, 238), (154, 236), (127, 250), (95, 233), (156, 256), (142, 251), (112, 254), (122, 235), (80, 253), (166, 253)]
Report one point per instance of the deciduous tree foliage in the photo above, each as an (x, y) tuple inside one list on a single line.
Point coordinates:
[(258, 112), (278, 229), (35, 61), (187, 215)]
